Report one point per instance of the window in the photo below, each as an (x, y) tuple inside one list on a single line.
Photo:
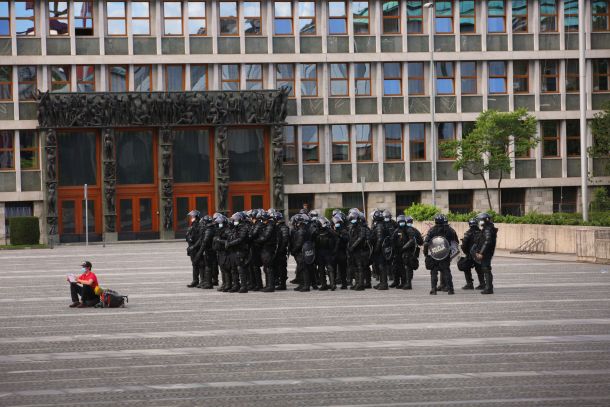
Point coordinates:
[(601, 75), (252, 18), (307, 17), (254, 76), (25, 18), (392, 79), (467, 17), (564, 199), (340, 142), (548, 16), (60, 78), (364, 142), (337, 18), (59, 16), (496, 16), (172, 18), (393, 141), (296, 202), (83, 17), (229, 77), (199, 77), (198, 23), (570, 15), (521, 79), (443, 22), (391, 17), (416, 78), (600, 10), (116, 16), (310, 144), (284, 77), (140, 18), (339, 80), (415, 17), (512, 201), (550, 138), (572, 78), (174, 78), (445, 78), (446, 132), (290, 145), (7, 150), (282, 18), (28, 82), (550, 76), (417, 141), (5, 19), (6, 83), (361, 17), (362, 76), (467, 129), (228, 18), (404, 200), (573, 138), (460, 201), (520, 16), (85, 78), (309, 80), (28, 142), (469, 77), (497, 77), (142, 78), (118, 79)]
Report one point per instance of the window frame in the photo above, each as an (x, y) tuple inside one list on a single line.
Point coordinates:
[(566, 15), (55, 18), (554, 16), (7, 18), (291, 80), (504, 77), (207, 75), (438, 77), (307, 17), (413, 141), (181, 18), (460, 193), (123, 18), (367, 18), (35, 150), (150, 77), (474, 77), (359, 143), (310, 143), (544, 76), (144, 19), (392, 78), (441, 156), (33, 82), (606, 15), (521, 76), (597, 74), (293, 145), (304, 79), (465, 15), (256, 80), (109, 68), (503, 16), (84, 20), (330, 18), (348, 143), (10, 150), (221, 18), (8, 83), (248, 18), (80, 81), (520, 17), (570, 137), (363, 79), (421, 78), (393, 142), (32, 19), (291, 19), (570, 76), (451, 18), (166, 76), (346, 80), (196, 18), (385, 18), (549, 139), (415, 17), (223, 81)]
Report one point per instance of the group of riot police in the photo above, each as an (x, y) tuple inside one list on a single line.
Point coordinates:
[(343, 252)]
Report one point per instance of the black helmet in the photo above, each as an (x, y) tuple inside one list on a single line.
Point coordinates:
[(271, 210), (278, 216), (265, 215), (472, 222), (313, 214), (401, 219), (337, 211), (194, 214), (324, 223), (440, 219), (484, 216), (252, 213), (220, 219), (409, 219), (353, 216), (237, 217), (338, 219), (377, 215), (387, 215)]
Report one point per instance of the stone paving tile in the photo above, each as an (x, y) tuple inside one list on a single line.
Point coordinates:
[(542, 339)]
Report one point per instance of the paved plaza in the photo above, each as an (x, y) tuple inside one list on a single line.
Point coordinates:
[(543, 339)]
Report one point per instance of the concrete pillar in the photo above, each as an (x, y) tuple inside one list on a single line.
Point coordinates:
[(2, 226)]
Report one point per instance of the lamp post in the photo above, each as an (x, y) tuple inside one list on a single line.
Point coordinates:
[(430, 7), (582, 43)]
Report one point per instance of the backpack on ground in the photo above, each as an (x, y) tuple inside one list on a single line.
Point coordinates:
[(112, 299)]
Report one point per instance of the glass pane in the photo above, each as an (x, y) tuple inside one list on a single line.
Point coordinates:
[(393, 151), (252, 26), (141, 76), (230, 72), (134, 157), (6, 160), (309, 134), (445, 131), (90, 213), (192, 156), (256, 201), (444, 86), (175, 78), (336, 9), (140, 27), (197, 26), (140, 9), (246, 155), (363, 87), (172, 27), (393, 131), (444, 25), (196, 8), (339, 133), (201, 203), (172, 9), (199, 77), (469, 69), (307, 8), (417, 131), (282, 26), (310, 153), (125, 215), (115, 9), (228, 26), (340, 152), (77, 158), (497, 69), (116, 27), (145, 214), (228, 9), (497, 85), (118, 79), (254, 72), (68, 217), (496, 25), (391, 87), (252, 9), (283, 9), (337, 26), (307, 26), (237, 203), (4, 27), (338, 88), (182, 208)]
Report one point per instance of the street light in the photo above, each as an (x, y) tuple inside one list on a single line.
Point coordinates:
[(430, 7), (583, 109)]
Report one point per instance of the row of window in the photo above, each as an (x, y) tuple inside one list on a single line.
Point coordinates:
[(28, 150), (232, 75), (395, 136), (190, 17)]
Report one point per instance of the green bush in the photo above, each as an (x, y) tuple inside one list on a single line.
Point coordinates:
[(600, 201), (24, 230), (421, 212), (328, 212)]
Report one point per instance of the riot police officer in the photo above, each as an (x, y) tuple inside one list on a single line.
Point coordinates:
[(382, 252), (341, 268), (303, 250), (206, 251), (441, 228), (407, 240), (193, 235), (327, 244), (358, 252), (239, 252), (219, 244), (466, 263), (318, 272), (256, 226), (283, 248), (485, 249), (267, 241)]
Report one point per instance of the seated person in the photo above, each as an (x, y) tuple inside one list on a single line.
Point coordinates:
[(86, 289)]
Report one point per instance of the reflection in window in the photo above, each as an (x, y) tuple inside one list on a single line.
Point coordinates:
[(392, 79), (290, 145), (85, 78), (467, 17), (337, 18), (117, 78), (391, 17), (497, 77), (496, 16), (228, 18), (60, 78), (339, 78), (573, 138), (83, 17), (519, 8), (140, 18), (393, 141), (7, 153), (469, 77), (246, 154), (77, 158), (550, 138), (415, 17), (5, 19), (254, 76), (199, 77), (445, 78), (142, 77), (307, 17), (284, 77), (282, 18), (548, 15), (25, 18), (6, 83), (572, 78), (364, 142), (443, 22), (28, 141), (134, 157), (116, 18), (59, 14), (174, 78), (27, 82), (600, 10), (191, 156), (570, 15), (417, 141), (521, 77), (252, 17), (310, 144), (601, 75), (340, 142), (197, 24), (416, 78), (550, 76), (172, 18), (68, 217), (446, 132), (360, 17), (229, 78), (362, 77), (309, 80)]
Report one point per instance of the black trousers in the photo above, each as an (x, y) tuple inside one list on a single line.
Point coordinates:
[(85, 292)]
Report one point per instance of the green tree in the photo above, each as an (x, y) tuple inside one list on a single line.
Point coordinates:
[(600, 127), (488, 147)]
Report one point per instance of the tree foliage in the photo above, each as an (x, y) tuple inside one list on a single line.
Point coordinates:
[(600, 127), (489, 146)]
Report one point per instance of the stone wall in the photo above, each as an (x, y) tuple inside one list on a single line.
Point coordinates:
[(480, 202), (539, 200), (442, 199), (381, 200), (323, 201)]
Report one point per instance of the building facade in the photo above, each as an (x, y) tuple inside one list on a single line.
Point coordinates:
[(357, 76)]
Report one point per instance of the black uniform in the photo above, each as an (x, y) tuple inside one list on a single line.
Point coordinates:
[(406, 246), (209, 256), (281, 259), (239, 256), (256, 279), (381, 253), (343, 274), (193, 239), (267, 241), (486, 246), (467, 262), (318, 276), (358, 254), (222, 255), (327, 245), (442, 266), (300, 235)]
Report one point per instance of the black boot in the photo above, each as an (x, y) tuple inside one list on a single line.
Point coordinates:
[(195, 281), (332, 278), (481, 278), (489, 287), (269, 280), (407, 285), (243, 277), (469, 283)]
